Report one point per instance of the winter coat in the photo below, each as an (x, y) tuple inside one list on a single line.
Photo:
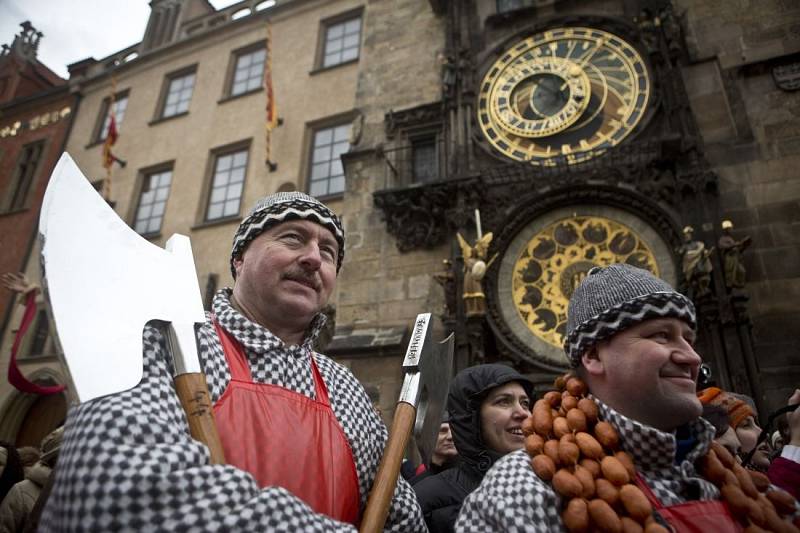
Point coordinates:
[(20, 500), (441, 495)]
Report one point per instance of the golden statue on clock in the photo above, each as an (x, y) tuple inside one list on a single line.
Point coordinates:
[(568, 93), (557, 258)]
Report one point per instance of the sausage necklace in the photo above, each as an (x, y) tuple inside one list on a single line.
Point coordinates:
[(580, 456)]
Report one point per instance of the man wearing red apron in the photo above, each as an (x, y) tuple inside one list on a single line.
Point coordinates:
[(302, 442), (629, 337)]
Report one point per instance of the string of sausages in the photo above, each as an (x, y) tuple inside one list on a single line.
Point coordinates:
[(580, 455)]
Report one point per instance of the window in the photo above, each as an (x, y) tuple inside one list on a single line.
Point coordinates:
[(179, 94), (152, 202), (226, 185), (41, 330), (120, 105), (20, 185), (424, 163), (248, 74), (342, 41), (327, 174)]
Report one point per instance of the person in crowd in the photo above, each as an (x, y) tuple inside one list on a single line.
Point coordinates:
[(29, 456), (129, 462), (11, 469), (784, 471), (629, 339), (724, 434), (16, 508), (743, 420), (487, 405), (444, 454)]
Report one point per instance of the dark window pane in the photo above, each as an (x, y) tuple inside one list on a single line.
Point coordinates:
[(425, 167), (23, 175)]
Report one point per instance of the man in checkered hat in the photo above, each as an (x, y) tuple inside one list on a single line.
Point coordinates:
[(629, 337), (301, 440)]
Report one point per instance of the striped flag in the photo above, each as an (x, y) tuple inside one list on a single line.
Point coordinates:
[(272, 111)]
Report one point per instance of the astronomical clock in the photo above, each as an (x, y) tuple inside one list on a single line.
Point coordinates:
[(557, 99), (569, 93)]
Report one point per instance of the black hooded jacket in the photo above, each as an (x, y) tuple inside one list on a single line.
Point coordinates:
[(441, 495)]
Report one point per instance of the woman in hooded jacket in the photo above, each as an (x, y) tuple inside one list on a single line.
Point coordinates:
[(487, 405)]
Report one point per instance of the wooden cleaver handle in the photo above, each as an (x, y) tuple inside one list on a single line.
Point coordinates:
[(196, 401), (386, 479)]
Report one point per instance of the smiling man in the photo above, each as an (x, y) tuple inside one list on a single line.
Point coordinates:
[(301, 439), (629, 337)]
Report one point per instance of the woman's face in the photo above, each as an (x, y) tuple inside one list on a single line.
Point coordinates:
[(502, 413), (730, 441), (748, 432)]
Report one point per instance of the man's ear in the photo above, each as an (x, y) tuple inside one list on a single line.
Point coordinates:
[(237, 266), (590, 360)]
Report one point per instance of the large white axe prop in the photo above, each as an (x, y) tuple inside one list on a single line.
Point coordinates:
[(104, 282), (427, 368)]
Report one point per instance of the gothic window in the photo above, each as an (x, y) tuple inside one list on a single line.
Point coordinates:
[(23, 176)]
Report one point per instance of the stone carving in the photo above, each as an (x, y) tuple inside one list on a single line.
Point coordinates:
[(731, 251), (696, 264), (416, 217), (447, 280)]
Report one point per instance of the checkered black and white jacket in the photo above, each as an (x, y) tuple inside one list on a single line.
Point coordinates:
[(512, 497), (128, 462)]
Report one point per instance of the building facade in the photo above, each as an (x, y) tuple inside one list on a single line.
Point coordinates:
[(575, 133), (36, 109)]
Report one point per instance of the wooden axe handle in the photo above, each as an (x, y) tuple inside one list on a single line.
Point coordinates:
[(196, 401), (386, 479)]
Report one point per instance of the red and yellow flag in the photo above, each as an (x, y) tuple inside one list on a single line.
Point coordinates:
[(272, 111)]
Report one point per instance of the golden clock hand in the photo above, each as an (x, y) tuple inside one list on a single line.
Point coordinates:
[(585, 59)]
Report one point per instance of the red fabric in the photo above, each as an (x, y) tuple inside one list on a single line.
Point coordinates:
[(695, 516), (287, 439), (785, 473), (15, 376)]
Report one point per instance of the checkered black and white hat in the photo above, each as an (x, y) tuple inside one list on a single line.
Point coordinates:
[(614, 298), (280, 207)]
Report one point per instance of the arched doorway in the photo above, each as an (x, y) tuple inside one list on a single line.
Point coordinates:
[(44, 415)]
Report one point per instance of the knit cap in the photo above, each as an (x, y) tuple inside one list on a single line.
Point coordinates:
[(280, 207), (737, 409), (613, 298)]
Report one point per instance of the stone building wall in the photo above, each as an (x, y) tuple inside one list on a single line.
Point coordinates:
[(751, 131)]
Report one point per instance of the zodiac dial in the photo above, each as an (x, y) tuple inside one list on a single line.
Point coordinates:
[(567, 93), (555, 261)]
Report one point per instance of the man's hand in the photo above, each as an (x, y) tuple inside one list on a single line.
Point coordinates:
[(18, 282), (794, 419)]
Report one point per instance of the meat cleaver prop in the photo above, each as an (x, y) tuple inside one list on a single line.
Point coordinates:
[(104, 282)]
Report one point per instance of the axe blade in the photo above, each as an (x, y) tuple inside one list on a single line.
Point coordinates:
[(104, 282)]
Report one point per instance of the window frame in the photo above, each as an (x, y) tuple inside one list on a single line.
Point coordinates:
[(312, 129), (322, 38), (430, 137), (227, 90), (143, 175), (208, 182), (161, 106), (101, 117), (13, 187)]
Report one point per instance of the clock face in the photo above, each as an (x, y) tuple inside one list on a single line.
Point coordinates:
[(548, 256), (565, 94)]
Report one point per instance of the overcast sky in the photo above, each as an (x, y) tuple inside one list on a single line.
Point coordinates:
[(77, 29)]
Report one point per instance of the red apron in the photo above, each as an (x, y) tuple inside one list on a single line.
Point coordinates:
[(695, 516), (287, 439)]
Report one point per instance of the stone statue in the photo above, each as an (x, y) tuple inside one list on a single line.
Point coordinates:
[(446, 279), (474, 269), (731, 251), (696, 263)]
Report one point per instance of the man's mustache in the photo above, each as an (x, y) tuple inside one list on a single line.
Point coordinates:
[(311, 279)]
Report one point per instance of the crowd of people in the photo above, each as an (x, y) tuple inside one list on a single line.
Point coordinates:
[(624, 441)]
